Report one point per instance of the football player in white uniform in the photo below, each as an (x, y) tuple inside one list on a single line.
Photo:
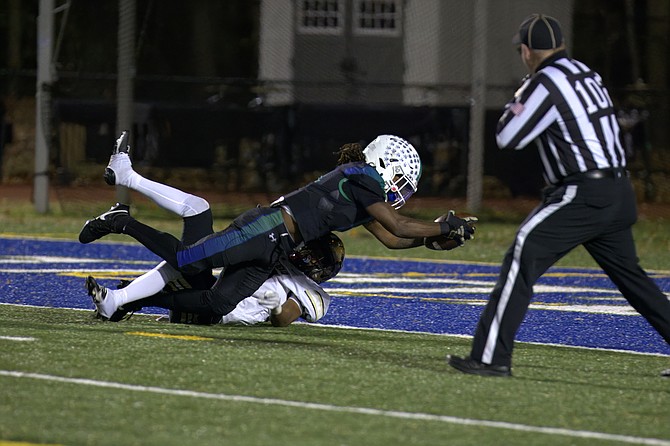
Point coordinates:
[(292, 294), (295, 294), (286, 296)]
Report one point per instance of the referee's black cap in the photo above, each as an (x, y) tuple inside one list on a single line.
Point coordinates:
[(539, 32)]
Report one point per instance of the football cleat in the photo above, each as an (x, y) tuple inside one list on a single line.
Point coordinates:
[(105, 307), (110, 222), (125, 312), (99, 297), (120, 167)]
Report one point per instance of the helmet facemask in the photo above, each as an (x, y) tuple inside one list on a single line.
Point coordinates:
[(320, 259), (399, 188)]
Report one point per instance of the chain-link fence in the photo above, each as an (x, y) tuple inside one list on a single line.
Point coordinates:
[(262, 107)]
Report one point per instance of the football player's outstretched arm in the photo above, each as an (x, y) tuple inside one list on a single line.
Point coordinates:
[(396, 231), (389, 240)]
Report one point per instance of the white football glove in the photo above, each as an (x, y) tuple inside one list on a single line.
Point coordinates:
[(271, 301)]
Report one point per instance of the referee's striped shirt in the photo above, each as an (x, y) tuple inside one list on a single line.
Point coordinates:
[(565, 108)]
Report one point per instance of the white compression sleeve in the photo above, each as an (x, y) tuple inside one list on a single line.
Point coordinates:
[(168, 197), (146, 285)]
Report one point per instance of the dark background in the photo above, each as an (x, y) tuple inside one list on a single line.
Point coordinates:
[(197, 79)]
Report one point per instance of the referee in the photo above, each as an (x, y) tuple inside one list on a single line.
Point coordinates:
[(564, 108)]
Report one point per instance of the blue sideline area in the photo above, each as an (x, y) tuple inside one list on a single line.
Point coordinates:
[(575, 307)]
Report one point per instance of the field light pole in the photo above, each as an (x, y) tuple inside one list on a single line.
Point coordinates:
[(125, 91), (477, 110), (45, 74)]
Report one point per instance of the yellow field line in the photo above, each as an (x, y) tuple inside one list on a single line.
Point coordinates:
[(169, 336)]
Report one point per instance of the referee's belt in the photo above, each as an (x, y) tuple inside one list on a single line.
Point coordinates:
[(597, 174)]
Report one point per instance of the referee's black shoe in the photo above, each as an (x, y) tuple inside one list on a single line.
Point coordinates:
[(474, 367), (112, 221), (666, 373)]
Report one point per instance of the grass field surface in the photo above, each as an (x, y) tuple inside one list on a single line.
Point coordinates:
[(76, 380), (68, 378)]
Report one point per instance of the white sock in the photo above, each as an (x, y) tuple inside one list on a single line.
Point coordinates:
[(146, 285), (168, 197)]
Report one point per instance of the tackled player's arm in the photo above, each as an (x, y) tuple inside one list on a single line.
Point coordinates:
[(396, 231), (290, 312)]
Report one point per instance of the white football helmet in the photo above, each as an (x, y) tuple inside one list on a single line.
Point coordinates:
[(399, 165)]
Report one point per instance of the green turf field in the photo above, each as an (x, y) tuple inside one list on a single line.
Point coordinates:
[(86, 382), (147, 382)]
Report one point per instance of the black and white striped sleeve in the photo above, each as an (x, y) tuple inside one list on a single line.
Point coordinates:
[(528, 115)]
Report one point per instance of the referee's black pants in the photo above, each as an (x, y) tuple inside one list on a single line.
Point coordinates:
[(596, 213)]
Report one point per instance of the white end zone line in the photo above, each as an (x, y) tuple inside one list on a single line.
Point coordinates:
[(343, 409)]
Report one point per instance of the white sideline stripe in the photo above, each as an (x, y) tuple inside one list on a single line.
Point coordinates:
[(17, 338), (39, 259), (358, 279), (464, 336), (343, 409), (62, 271)]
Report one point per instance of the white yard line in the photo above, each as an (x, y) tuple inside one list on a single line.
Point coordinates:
[(17, 338), (344, 409)]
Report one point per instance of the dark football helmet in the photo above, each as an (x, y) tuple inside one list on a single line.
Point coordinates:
[(320, 259)]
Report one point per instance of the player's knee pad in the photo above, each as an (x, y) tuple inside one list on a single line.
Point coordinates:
[(167, 272), (194, 205)]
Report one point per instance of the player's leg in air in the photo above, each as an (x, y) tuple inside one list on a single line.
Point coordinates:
[(195, 212)]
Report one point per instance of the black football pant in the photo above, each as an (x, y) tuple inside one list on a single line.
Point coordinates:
[(248, 250), (595, 213)]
